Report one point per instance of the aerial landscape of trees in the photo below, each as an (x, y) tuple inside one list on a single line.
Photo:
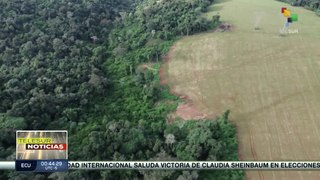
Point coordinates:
[(76, 65)]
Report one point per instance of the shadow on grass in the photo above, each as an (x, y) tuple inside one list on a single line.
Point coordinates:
[(215, 8), (221, 1)]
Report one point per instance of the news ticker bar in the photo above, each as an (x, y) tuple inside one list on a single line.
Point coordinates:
[(183, 165)]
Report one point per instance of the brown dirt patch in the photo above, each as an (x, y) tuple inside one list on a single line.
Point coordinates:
[(223, 27), (165, 60), (185, 110), (188, 111)]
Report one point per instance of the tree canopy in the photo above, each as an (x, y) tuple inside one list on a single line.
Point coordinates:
[(76, 65)]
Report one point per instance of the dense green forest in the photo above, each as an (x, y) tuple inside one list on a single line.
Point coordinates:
[(309, 4), (77, 65)]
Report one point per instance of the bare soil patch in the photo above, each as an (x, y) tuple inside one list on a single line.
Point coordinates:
[(185, 110), (223, 27), (188, 111)]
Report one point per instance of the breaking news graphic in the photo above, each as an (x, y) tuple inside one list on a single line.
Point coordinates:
[(42, 150)]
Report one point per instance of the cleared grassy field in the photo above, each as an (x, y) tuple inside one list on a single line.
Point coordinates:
[(270, 83)]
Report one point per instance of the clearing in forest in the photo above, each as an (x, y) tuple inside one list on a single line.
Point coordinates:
[(271, 83)]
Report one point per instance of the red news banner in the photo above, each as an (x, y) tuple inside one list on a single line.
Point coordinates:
[(46, 146)]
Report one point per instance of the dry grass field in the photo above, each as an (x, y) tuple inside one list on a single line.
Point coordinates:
[(270, 83)]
